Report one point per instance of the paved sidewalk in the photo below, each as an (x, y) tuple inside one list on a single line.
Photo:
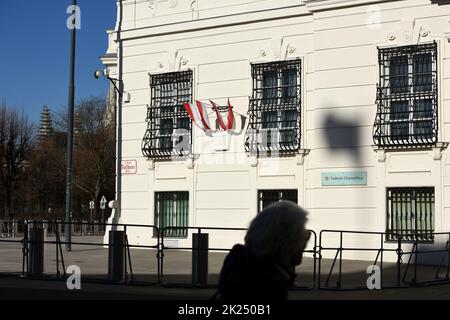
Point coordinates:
[(93, 261)]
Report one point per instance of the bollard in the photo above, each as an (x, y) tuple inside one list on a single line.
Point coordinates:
[(15, 228), (117, 256), (36, 252), (60, 227), (200, 245)]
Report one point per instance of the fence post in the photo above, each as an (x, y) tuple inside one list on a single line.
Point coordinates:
[(36, 251), (15, 228), (59, 224), (399, 260), (200, 245), (116, 256)]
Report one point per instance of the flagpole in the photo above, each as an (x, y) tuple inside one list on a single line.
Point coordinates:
[(69, 190)]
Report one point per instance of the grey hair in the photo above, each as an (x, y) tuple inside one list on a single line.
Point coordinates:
[(275, 233)]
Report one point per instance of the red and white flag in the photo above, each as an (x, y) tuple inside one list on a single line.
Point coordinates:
[(198, 114), (230, 118)]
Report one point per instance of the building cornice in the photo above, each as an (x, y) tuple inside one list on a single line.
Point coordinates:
[(324, 5), (215, 22)]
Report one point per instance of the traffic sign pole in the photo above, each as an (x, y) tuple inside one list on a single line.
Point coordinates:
[(103, 207), (91, 207)]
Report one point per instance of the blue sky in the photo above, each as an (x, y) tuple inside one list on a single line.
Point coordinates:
[(35, 47)]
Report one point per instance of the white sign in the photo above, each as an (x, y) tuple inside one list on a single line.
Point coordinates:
[(103, 203), (91, 204), (129, 167), (221, 141)]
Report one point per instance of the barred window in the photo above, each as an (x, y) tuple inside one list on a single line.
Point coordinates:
[(410, 214), (168, 125), (407, 97), (267, 197), (171, 210), (274, 111)]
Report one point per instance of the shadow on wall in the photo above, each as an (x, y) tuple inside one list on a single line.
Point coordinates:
[(343, 136)]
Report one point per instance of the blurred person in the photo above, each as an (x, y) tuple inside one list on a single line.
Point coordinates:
[(264, 268)]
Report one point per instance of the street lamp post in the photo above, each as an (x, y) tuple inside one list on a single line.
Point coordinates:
[(118, 86), (71, 107)]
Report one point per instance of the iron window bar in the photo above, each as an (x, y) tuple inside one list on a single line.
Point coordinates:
[(407, 97), (410, 214), (275, 108), (267, 197), (171, 213), (169, 129)]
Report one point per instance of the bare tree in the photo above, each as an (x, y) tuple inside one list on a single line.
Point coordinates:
[(94, 149), (16, 143)]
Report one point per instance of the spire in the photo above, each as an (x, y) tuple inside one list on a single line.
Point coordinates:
[(46, 124)]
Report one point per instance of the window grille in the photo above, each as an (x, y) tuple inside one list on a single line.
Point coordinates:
[(407, 97), (267, 197), (169, 128), (171, 210), (274, 110), (410, 214)]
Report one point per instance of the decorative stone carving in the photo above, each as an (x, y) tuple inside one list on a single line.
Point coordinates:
[(381, 154), (173, 3), (407, 36), (253, 160), (424, 33), (151, 164), (152, 7), (437, 151), (190, 162), (275, 46), (301, 156)]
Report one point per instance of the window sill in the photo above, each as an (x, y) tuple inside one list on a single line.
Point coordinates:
[(300, 155), (410, 241), (188, 159), (436, 149)]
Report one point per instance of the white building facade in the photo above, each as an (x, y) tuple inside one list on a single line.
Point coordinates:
[(339, 105)]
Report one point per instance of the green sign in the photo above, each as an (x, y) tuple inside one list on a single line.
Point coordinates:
[(355, 178)]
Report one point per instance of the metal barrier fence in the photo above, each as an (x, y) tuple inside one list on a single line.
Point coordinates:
[(405, 272), (9, 228), (199, 249), (26, 242), (15, 228), (399, 249), (197, 280)]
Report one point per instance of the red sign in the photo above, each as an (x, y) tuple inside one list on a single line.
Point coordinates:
[(129, 167)]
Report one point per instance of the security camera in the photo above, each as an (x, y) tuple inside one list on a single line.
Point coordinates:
[(97, 74)]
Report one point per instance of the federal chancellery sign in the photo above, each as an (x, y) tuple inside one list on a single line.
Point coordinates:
[(356, 178)]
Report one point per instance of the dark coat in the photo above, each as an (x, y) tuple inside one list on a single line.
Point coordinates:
[(244, 277)]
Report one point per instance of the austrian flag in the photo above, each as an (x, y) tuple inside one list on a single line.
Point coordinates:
[(230, 117), (199, 115)]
